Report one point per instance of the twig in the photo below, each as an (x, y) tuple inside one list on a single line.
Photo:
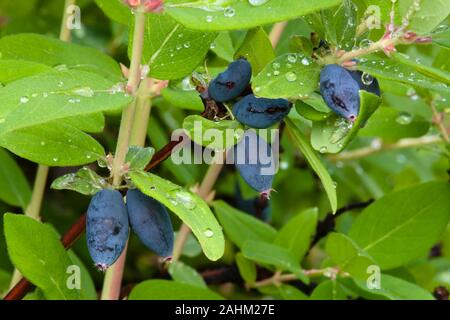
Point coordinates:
[(371, 150), (277, 279), (438, 120)]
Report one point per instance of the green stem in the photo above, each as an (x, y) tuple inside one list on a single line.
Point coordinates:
[(142, 114), (113, 276)]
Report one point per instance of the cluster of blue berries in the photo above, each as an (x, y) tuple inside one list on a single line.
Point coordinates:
[(258, 113), (109, 220)]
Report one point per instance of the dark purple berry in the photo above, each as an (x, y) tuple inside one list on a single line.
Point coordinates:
[(255, 162), (260, 113), (106, 227), (150, 222), (232, 82)]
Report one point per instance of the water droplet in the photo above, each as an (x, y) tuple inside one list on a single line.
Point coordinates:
[(84, 92), (276, 73), (335, 184), (257, 3), (187, 85), (187, 45), (43, 143), (24, 99), (60, 84), (367, 79), (229, 12), (306, 62), (186, 199), (323, 149), (404, 118), (212, 46), (276, 65), (88, 156), (179, 46), (71, 100), (257, 89), (208, 233), (209, 19), (292, 58), (180, 35), (55, 159), (291, 76)]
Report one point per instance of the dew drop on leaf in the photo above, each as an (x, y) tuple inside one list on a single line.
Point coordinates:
[(323, 149), (404, 118), (292, 58), (208, 233), (84, 92), (257, 3), (209, 19), (306, 62), (229, 12), (24, 99), (291, 76), (367, 79)]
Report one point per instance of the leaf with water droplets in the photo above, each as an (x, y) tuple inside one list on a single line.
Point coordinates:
[(171, 50), (209, 15), (424, 15), (340, 25), (85, 181), (189, 207), (283, 78), (16, 69), (334, 133)]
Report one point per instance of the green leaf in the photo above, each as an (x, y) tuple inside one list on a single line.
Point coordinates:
[(301, 44), (223, 46), (38, 254), (115, 10), (403, 225), (53, 144), (14, 187), (391, 124), (138, 158), (284, 291), (171, 50), (85, 181), (428, 16), (240, 226), (434, 73), (348, 256), (87, 286), (93, 123), (442, 36), (257, 49), (393, 288), (57, 53), (274, 255), (170, 290), (189, 207), (340, 25), (56, 95), (183, 273), (247, 268), (297, 233), (330, 290), (183, 99), (291, 76), (315, 162), (391, 69), (334, 133), (191, 248), (16, 69), (313, 108), (212, 134), (211, 15)]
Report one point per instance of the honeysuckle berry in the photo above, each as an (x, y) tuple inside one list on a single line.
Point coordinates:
[(231, 83), (150, 222), (106, 227), (260, 113)]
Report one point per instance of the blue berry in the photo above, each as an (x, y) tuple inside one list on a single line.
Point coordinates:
[(106, 227), (232, 82), (340, 91), (254, 160), (260, 113), (150, 222)]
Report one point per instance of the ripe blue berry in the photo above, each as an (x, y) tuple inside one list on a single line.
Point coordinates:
[(254, 160), (150, 222), (340, 91), (106, 227), (260, 113), (232, 82)]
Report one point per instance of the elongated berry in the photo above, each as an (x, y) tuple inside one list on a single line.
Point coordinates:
[(254, 160), (232, 82), (260, 113), (106, 227), (340, 91), (150, 222)]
